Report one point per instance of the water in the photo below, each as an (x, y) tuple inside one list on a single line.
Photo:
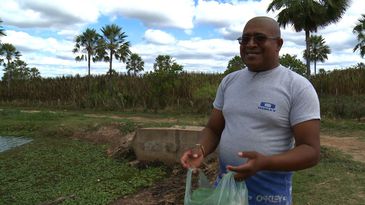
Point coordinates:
[(7, 142)]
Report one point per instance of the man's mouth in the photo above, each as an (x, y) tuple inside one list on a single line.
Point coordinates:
[(252, 53)]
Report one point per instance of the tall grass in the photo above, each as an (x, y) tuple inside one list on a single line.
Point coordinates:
[(147, 92), (342, 92)]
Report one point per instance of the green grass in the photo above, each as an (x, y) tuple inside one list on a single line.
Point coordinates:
[(50, 168), (336, 180), (54, 165), (343, 128)]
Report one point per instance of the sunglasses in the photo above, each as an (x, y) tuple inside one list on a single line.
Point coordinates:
[(257, 38)]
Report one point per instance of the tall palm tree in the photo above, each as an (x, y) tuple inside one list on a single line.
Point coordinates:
[(308, 15), (317, 50), (113, 44), (86, 44), (359, 30)]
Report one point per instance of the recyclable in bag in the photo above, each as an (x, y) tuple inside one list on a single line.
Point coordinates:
[(227, 192)]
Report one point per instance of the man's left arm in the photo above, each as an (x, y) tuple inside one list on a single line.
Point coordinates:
[(305, 154)]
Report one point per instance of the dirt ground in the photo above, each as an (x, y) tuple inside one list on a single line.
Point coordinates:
[(170, 191), (349, 145)]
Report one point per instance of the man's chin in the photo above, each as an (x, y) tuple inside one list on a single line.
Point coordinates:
[(254, 67)]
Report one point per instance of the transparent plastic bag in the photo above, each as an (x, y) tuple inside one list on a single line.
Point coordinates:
[(227, 192)]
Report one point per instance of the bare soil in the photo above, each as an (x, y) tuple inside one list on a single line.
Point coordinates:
[(349, 145), (171, 190)]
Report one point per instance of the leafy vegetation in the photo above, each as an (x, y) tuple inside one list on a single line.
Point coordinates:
[(234, 64), (293, 64)]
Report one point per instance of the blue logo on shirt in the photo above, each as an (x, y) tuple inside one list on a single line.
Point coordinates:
[(267, 106)]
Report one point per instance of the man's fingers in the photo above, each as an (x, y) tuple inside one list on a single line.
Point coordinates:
[(240, 177), (184, 163), (185, 159), (190, 159), (249, 155), (240, 168)]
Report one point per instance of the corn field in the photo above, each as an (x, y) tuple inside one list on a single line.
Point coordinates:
[(193, 92), (341, 92)]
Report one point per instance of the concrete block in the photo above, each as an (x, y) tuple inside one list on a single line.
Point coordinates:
[(164, 144)]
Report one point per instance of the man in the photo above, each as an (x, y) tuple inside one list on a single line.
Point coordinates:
[(266, 119)]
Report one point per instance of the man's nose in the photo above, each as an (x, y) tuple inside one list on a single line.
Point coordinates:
[(251, 41)]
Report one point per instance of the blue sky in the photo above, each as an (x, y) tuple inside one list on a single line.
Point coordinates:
[(200, 35)]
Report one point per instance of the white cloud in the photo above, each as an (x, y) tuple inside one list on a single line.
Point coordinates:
[(156, 13), (48, 14), (26, 43), (159, 37), (194, 54)]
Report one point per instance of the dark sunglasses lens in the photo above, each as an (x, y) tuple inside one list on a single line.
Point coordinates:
[(245, 39), (260, 38), (257, 38)]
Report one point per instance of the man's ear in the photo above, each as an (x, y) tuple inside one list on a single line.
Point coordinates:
[(280, 43)]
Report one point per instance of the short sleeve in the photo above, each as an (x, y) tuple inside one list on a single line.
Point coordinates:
[(219, 97), (305, 106)]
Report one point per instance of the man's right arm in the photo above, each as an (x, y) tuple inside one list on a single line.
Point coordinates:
[(211, 134), (209, 140)]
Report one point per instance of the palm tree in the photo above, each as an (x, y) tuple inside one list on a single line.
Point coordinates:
[(359, 30), (135, 64), (34, 73), (10, 53), (86, 43), (317, 50), (2, 31), (308, 15), (113, 44)]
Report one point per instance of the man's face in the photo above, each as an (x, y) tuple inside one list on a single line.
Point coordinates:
[(260, 46)]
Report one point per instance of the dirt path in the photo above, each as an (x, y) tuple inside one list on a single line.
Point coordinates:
[(349, 145)]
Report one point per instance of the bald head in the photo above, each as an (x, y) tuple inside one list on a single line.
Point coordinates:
[(271, 24), (261, 45)]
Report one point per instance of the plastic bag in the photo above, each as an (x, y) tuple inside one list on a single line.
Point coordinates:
[(227, 192)]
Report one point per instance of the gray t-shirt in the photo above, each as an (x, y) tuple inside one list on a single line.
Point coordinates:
[(259, 109)]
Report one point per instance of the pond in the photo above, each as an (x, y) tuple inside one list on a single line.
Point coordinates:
[(8, 142)]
